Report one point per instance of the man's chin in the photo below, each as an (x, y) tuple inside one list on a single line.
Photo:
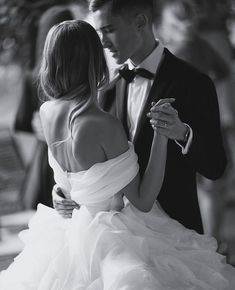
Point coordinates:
[(115, 56), (118, 59)]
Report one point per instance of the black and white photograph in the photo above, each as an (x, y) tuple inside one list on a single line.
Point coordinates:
[(117, 145)]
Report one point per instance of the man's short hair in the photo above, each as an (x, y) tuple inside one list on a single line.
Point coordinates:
[(121, 5)]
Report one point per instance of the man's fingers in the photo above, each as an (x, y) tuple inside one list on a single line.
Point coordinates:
[(160, 112), (166, 100), (67, 216), (65, 202), (163, 101), (166, 107), (62, 212), (65, 213), (62, 207), (162, 118), (65, 206), (160, 123), (58, 191), (59, 206)]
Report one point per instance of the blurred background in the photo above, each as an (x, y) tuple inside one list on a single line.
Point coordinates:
[(201, 32)]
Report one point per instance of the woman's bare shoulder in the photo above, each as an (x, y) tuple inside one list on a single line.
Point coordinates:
[(99, 132), (44, 115), (46, 108)]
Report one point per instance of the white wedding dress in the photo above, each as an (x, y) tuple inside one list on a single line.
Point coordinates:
[(103, 249)]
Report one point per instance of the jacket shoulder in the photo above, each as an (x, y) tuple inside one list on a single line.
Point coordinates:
[(183, 70)]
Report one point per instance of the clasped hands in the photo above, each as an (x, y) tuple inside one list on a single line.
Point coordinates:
[(164, 119)]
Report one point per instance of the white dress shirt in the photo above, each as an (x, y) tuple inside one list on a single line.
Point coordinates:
[(139, 89)]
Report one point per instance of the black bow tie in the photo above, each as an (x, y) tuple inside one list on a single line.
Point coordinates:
[(129, 75)]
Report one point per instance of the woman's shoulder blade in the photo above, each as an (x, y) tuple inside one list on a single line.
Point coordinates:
[(114, 136), (100, 132), (98, 123)]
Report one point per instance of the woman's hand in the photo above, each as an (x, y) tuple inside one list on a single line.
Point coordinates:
[(160, 113), (165, 119)]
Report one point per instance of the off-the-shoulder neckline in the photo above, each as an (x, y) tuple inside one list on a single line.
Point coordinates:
[(94, 165)]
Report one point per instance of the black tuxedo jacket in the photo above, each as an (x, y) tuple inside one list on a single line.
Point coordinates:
[(197, 105)]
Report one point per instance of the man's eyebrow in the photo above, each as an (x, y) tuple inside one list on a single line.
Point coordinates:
[(105, 27)]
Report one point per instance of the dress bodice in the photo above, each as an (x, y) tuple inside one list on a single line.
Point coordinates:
[(96, 186)]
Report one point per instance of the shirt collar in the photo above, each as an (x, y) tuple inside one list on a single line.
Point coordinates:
[(151, 62)]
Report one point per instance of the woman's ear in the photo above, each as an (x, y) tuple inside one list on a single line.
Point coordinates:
[(141, 20)]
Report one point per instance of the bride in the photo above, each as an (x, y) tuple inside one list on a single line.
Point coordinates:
[(100, 247)]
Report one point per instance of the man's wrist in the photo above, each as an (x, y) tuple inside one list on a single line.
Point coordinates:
[(185, 134), (188, 137)]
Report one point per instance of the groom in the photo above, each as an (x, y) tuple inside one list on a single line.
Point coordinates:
[(191, 122)]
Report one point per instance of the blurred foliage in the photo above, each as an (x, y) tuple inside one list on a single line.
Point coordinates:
[(18, 26), (214, 13)]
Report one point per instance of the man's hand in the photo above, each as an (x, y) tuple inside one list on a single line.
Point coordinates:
[(63, 205), (165, 119), (117, 202)]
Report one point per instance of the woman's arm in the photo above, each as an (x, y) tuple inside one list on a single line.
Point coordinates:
[(142, 194)]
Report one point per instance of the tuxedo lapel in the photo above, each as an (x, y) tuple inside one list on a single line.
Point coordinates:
[(160, 85)]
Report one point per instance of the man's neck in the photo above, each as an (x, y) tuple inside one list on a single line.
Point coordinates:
[(145, 51)]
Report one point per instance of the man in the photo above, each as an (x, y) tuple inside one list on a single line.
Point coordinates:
[(193, 125)]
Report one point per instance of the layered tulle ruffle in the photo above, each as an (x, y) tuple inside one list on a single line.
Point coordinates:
[(102, 249), (112, 250)]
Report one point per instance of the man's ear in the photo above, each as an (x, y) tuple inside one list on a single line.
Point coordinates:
[(141, 20)]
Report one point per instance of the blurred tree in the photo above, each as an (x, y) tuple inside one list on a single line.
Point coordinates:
[(18, 27), (213, 13)]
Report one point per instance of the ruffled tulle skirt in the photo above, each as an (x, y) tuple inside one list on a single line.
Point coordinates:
[(127, 250)]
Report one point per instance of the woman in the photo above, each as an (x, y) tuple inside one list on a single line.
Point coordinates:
[(39, 179), (139, 247)]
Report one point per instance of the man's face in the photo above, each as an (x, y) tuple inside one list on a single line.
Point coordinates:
[(118, 33)]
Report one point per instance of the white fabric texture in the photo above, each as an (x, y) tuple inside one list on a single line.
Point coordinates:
[(139, 88), (102, 249)]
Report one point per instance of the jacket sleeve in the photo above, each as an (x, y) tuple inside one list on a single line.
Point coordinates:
[(206, 153)]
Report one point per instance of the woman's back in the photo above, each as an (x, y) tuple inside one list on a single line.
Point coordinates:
[(95, 135)]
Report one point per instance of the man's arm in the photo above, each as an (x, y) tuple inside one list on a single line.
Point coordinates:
[(165, 118), (206, 152)]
